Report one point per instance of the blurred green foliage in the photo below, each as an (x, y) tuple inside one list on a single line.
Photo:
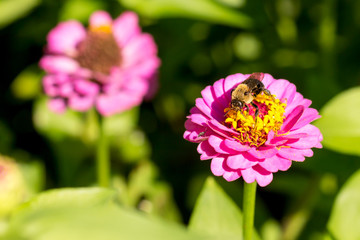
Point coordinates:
[(10, 10), (313, 44), (342, 131), (345, 214), (89, 213)]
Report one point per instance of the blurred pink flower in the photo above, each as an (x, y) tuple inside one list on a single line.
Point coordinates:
[(111, 65), (240, 146)]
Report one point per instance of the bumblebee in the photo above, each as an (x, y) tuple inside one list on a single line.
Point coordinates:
[(247, 91)]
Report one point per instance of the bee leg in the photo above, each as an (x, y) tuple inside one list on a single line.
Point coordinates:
[(256, 109), (242, 106), (247, 108), (267, 92), (226, 113)]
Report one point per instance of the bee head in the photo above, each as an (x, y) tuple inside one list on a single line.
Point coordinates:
[(235, 103)]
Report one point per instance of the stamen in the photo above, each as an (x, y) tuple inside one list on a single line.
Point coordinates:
[(254, 132)]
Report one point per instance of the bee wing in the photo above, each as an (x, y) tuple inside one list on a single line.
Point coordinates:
[(258, 76)]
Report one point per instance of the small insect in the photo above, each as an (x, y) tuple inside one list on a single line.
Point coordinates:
[(201, 134), (246, 91)]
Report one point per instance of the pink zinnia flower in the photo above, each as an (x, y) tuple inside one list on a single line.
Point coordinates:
[(238, 145), (111, 65)]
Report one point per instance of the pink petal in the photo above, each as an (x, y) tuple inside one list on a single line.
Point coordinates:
[(275, 163), (283, 164), (289, 93), (239, 162), (235, 145), (231, 176), (110, 104), (220, 129), (292, 119), (297, 100), (153, 86), (267, 80), (100, 18), (263, 178), (192, 131), (306, 152), (50, 87), (219, 96), (147, 68), (195, 132), (217, 166), (126, 27), (139, 49), (213, 103), (262, 152), (206, 93), (309, 115), (61, 78), (297, 155), (206, 151), (66, 89), (64, 38), (80, 103), (58, 64), (291, 154), (85, 87), (310, 140), (218, 143), (203, 107), (135, 86), (282, 89), (248, 175), (57, 105), (199, 119), (215, 142), (282, 139)]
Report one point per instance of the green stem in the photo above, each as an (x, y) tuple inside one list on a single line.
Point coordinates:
[(102, 155), (249, 209)]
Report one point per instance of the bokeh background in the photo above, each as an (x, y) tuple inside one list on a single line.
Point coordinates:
[(313, 44)]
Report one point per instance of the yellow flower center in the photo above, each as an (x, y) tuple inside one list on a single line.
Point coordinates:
[(254, 131), (101, 28)]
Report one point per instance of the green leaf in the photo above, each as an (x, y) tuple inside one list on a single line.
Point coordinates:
[(345, 216), (27, 84), (271, 230), (215, 213), (141, 179), (56, 126), (68, 197), (340, 122), (79, 9), (150, 194), (81, 214), (34, 175), (207, 10), (10, 10), (123, 123)]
